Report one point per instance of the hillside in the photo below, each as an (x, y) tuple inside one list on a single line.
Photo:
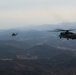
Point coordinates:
[(37, 52)]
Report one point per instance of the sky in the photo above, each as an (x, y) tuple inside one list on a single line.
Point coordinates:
[(18, 13)]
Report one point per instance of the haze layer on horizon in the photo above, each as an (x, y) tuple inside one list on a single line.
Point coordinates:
[(17, 13)]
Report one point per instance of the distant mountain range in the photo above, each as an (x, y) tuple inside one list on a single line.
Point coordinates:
[(63, 25), (36, 35), (46, 51), (55, 56), (28, 38)]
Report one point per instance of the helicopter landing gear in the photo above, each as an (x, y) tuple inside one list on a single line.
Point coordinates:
[(60, 37)]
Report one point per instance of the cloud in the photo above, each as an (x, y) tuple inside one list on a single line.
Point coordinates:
[(15, 13), (41, 15), (34, 4)]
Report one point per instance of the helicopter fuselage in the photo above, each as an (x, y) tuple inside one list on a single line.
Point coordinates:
[(68, 35), (14, 34)]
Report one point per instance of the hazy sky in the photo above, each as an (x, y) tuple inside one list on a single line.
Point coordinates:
[(16, 13)]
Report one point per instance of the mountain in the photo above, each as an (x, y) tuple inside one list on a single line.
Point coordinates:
[(51, 60), (31, 38), (22, 35), (53, 56), (46, 51), (63, 25), (36, 31), (10, 48)]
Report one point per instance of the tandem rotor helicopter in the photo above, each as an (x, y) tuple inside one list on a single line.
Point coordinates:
[(65, 33)]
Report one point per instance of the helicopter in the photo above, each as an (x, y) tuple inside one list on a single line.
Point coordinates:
[(66, 33), (14, 34)]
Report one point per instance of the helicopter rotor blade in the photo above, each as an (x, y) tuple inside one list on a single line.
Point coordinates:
[(71, 29), (56, 30), (59, 30)]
